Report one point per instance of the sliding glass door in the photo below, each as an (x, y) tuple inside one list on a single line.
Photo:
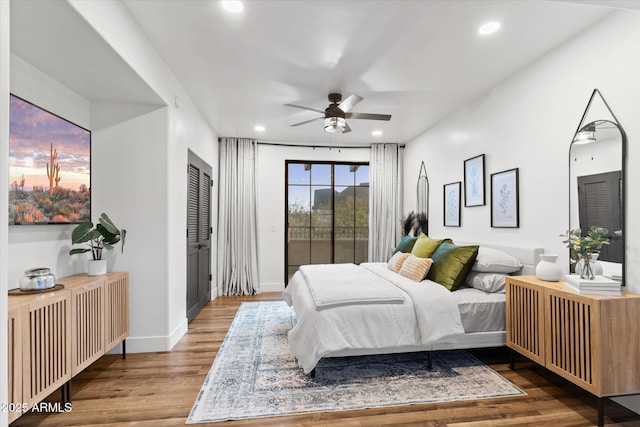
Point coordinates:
[(327, 213)]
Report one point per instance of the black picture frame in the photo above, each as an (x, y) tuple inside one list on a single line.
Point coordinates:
[(474, 187), (49, 167), (505, 199), (452, 204)]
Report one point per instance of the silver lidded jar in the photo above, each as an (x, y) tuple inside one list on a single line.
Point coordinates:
[(37, 279)]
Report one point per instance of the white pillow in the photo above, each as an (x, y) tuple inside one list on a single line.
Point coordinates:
[(494, 261), (488, 282)]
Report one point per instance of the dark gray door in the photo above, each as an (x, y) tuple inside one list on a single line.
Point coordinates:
[(600, 204), (198, 236)]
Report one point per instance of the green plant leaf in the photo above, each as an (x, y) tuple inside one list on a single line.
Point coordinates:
[(106, 233), (123, 233), (78, 251), (83, 233), (108, 224)]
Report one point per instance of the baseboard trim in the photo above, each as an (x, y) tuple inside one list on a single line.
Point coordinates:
[(271, 287), (178, 333), (153, 344)]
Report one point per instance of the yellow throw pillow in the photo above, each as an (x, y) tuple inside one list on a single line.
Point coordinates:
[(452, 264), (424, 247), (395, 262), (415, 268)]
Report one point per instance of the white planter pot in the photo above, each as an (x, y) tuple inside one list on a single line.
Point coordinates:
[(97, 267), (547, 269)]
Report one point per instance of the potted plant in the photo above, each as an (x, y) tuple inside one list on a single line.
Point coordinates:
[(585, 249), (103, 236)]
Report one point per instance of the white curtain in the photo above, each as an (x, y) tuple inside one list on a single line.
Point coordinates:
[(237, 224), (385, 200)]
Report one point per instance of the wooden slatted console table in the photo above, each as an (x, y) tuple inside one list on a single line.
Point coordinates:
[(55, 335), (590, 340)]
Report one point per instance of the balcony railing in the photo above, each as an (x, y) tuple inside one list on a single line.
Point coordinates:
[(324, 233)]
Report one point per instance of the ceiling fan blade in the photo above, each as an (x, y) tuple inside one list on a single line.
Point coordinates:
[(304, 108), (348, 103), (347, 128), (307, 121), (368, 116)]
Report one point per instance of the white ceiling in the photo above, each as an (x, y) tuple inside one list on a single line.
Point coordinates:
[(52, 37), (416, 60)]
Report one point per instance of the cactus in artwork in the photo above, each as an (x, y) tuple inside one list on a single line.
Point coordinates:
[(22, 183), (53, 173)]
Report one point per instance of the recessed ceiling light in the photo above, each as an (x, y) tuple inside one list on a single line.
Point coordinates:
[(376, 133), (259, 128), (233, 6), (489, 28)]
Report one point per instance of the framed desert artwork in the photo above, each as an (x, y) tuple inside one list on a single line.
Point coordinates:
[(49, 167)]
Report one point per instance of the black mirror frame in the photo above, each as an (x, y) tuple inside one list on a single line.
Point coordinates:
[(623, 135)]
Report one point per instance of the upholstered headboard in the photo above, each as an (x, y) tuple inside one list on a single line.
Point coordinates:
[(529, 257)]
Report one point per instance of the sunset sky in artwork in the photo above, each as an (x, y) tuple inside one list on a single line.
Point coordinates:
[(32, 130)]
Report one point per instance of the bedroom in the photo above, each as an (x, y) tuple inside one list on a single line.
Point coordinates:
[(541, 126)]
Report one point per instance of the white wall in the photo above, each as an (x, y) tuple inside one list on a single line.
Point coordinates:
[(4, 195), (131, 144), (528, 122), (129, 184), (44, 245), (271, 208), (186, 129)]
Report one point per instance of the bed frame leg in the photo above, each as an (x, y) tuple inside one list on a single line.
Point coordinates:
[(430, 360), (312, 374), (512, 359)]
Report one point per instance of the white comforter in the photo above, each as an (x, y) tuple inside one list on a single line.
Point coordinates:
[(427, 315), (343, 284)]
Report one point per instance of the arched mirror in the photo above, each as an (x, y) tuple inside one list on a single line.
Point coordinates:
[(596, 182), (422, 201)]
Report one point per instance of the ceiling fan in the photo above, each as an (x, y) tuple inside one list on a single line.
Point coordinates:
[(337, 112)]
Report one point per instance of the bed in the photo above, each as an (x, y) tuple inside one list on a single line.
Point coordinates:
[(422, 316)]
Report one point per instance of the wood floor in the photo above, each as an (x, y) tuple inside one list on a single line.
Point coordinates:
[(158, 389)]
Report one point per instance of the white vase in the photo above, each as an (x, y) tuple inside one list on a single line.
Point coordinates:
[(596, 265), (547, 269), (97, 267)]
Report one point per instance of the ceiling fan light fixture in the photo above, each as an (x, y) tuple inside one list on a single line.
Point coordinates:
[(586, 136), (334, 124)]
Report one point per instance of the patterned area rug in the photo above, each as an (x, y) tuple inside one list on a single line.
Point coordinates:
[(256, 375)]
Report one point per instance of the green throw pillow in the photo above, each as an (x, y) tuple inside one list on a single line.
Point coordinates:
[(406, 244), (425, 246), (452, 264)]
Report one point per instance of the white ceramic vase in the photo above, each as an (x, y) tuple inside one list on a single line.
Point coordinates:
[(97, 267), (547, 269), (596, 265)]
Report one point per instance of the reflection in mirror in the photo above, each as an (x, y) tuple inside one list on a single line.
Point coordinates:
[(422, 202), (596, 186)]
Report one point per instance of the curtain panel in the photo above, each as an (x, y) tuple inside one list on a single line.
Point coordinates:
[(237, 223), (385, 200)]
